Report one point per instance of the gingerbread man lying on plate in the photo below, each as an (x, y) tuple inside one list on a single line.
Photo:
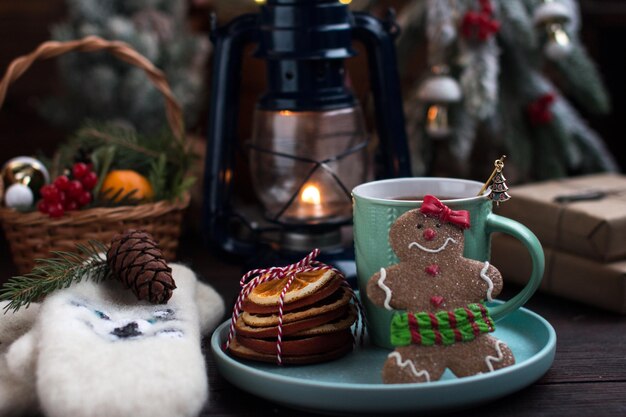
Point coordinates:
[(442, 322)]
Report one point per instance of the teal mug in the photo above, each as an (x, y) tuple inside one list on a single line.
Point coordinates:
[(378, 204)]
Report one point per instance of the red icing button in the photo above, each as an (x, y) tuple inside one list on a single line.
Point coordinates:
[(436, 300), (432, 270), (429, 234)]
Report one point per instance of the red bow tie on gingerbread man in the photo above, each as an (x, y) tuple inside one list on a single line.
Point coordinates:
[(435, 208)]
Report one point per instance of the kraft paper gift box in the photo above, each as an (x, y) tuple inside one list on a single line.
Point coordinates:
[(590, 220), (574, 277)]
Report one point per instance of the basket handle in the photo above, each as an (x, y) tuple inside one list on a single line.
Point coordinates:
[(120, 50)]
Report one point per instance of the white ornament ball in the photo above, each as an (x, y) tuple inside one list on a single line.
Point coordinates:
[(19, 196)]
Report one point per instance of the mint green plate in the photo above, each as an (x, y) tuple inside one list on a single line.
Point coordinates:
[(352, 384)]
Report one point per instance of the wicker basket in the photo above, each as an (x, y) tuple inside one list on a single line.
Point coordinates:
[(33, 235)]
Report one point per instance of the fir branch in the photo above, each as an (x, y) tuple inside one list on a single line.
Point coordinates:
[(102, 158), (582, 81), (61, 271), (133, 151), (479, 78), (161, 158), (158, 176), (597, 156), (183, 186), (463, 141), (441, 29), (108, 138), (109, 198), (548, 158), (517, 26)]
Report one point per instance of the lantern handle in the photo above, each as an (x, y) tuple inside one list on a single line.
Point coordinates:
[(229, 43)]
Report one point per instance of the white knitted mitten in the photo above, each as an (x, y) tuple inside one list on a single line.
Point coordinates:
[(100, 352), (17, 396)]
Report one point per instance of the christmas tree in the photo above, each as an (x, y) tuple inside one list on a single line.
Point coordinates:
[(500, 75), (98, 86)]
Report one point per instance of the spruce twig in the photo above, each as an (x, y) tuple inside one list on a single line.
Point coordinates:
[(159, 157), (111, 198), (56, 273), (107, 138)]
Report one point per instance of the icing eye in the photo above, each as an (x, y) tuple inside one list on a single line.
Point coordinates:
[(438, 225), (420, 225)]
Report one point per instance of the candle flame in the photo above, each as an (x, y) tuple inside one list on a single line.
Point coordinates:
[(311, 195)]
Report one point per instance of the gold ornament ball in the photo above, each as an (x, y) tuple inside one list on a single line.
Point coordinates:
[(26, 171)]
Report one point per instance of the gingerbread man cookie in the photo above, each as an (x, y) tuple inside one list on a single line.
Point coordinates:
[(442, 321)]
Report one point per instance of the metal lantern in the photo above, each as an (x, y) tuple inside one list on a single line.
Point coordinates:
[(309, 145)]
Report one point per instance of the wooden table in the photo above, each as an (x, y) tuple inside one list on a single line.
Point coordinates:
[(588, 377)]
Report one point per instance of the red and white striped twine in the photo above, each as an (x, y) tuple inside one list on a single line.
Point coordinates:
[(259, 276)]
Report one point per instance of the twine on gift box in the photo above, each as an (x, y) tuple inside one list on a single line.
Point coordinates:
[(259, 276)]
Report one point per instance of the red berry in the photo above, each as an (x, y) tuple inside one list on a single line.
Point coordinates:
[(79, 170), (70, 205), (62, 182), (74, 189), (89, 180), (84, 198), (42, 206), (56, 210), (50, 193)]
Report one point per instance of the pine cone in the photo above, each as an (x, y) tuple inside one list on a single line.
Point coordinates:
[(136, 260)]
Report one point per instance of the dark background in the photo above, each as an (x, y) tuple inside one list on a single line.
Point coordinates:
[(25, 24)]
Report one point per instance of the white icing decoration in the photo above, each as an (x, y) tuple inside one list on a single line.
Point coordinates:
[(401, 364), (386, 289), (483, 275), (439, 249), (498, 358)]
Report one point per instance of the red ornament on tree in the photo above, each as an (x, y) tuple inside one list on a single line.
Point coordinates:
[(480, 25), (540, 110)]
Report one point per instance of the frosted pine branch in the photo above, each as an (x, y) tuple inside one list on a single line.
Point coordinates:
[(479, 79), (517, 28), (582, 81), (441, 29)]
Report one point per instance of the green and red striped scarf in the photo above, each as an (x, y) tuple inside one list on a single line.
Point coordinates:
[(441, 328)]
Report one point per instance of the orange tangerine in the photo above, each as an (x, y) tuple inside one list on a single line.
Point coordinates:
[(127, 180)]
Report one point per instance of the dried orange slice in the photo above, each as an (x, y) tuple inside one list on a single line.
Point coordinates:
[(339, 299), (304, 284)]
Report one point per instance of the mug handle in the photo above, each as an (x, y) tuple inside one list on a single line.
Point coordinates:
[(496, 223)]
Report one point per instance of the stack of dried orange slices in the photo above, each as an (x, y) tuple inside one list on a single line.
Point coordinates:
[(316, 320)]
